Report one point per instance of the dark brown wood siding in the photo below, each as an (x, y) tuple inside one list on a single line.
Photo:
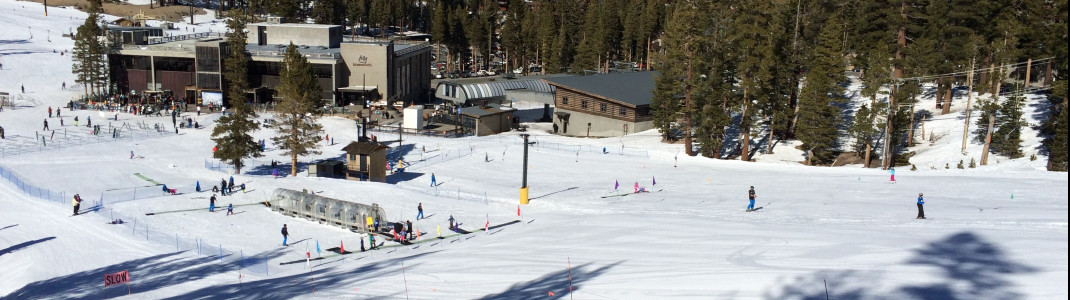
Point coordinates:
[(594, 106), (175, 81)]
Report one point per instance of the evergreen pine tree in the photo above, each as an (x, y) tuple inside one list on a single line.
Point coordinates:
[(233, 132), (1007, 140), (298, 110), (328, 12), (822, 96)]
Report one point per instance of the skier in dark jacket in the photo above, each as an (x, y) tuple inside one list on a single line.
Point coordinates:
[(420, 214), (751, 196), (211, 203), (285, 234), (921, 210)]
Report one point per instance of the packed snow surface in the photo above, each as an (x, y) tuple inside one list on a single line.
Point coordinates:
[(993, 232)]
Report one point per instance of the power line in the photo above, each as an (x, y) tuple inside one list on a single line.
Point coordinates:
[(1036, 62)]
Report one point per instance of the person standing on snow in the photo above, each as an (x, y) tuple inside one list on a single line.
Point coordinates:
[(892, 171), (420, 208), (211, 203), (49, 111), (77, 202), (285, 234), (46, 124), (230, 209), (433, 183), (751, 195), (921, 210)]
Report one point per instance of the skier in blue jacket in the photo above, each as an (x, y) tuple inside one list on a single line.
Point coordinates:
[(921, 210)]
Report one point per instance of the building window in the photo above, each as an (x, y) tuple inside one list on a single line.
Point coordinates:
[(564, 100), (623, 111), (583, 103), (604, 107)]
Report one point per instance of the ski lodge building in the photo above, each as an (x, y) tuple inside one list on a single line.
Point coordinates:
[(603, 105), (349, 71)]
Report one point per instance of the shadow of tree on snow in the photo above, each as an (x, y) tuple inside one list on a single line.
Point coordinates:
[(972, 268), (556, 282)]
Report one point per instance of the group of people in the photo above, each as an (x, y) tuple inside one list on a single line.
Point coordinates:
[(227, 188), (211, 206), (751, 195)]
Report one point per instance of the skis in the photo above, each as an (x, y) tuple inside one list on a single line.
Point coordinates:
[(626, 194), (756, 209)]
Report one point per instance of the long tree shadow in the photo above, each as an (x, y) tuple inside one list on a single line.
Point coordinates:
[(975, 269), (972, 268), (299, 284), (146, 274), (25, 244), (557, 282)]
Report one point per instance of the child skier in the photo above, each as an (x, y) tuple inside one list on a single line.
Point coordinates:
[(211, 203), (892, 171), (751, 195), (921, 210), (285, 233), (230, 209)]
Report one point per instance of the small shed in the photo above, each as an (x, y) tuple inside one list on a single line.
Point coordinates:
[(366, 161), (488, 119), (327, 168)]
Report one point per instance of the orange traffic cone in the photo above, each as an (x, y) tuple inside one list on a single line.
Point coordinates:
[(342, 247)]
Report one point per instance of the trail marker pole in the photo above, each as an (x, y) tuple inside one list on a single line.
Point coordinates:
[(405, 279), (569, 277)]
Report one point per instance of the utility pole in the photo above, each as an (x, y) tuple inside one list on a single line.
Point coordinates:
[(524, 180), (969, 100)]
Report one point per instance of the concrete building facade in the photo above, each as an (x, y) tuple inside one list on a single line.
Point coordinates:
[(348, 72)]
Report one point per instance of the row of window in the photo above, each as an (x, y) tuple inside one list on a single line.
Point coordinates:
[(604, 107)]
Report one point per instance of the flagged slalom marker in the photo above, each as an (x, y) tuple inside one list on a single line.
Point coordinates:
[(486, 226), (616, 184), (438, 229), (318, 253), (653, 181)]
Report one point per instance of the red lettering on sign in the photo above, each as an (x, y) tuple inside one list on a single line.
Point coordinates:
[(116, 278)]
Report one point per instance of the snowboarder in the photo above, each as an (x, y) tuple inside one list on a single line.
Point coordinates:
[(751, 196), (230, 209), (77, 202), (420, 214), (892, 171), (285, 234), (921, 210), (211, 203), (433, 183), (46, 124), (451, 222)]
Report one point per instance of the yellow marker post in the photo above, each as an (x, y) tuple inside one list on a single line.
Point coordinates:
[(524, 195)]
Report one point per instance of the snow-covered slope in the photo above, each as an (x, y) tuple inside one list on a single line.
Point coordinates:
[(992, 233)]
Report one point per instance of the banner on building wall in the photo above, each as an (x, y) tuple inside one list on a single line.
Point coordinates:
[(211, 97)]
